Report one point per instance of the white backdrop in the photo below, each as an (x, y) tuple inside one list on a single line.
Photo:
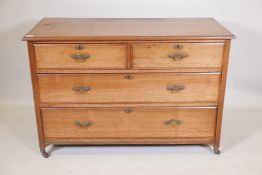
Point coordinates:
[(242, 17)]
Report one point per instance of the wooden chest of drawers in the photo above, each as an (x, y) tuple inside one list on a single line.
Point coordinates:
[(128, 81)]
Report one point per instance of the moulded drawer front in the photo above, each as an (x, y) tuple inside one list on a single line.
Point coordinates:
[(129, 88), (188, 56), (140, 123), (81, 56)]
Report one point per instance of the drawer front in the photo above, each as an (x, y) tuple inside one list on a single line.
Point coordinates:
[(129, 88), (81, 56), (137, 123), (191, 56)]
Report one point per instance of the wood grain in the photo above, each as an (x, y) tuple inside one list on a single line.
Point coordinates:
[(35, 89), (145, 104), (129, 141), (115, 88), (127, 29), (102, 56), (128, 71), (222, 89), (141, 122), (197, 56)]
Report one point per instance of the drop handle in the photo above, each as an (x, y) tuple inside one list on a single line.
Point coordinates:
[(177, 56), (81, 89), (83, 124), (174, 122), (175, 88), (80, 57)]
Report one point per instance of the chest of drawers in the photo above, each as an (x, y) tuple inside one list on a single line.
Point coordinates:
[(128, 81)]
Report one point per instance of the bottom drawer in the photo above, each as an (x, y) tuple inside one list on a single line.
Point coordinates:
[(138, 122)]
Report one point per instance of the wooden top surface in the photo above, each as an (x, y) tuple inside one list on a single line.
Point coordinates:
[(127, 29)]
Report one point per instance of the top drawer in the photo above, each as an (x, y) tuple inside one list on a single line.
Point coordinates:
[(183, 56), (81, 56)]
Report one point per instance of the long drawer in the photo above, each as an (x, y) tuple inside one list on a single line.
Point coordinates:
[(190, 57), (129, 88), (168, 122), (81, 56)]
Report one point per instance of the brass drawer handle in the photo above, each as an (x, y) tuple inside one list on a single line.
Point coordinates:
[(83, 124), (178, 56), (80, 57), (82, 89), (176, 88), (178, 46), (129, 77), (174, 122)]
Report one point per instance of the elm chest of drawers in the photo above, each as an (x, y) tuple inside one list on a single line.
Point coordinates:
[(128, 81)]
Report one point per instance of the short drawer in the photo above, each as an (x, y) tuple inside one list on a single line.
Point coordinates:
[(191, 57), (169, 122), (81, 56), (185, 88)]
